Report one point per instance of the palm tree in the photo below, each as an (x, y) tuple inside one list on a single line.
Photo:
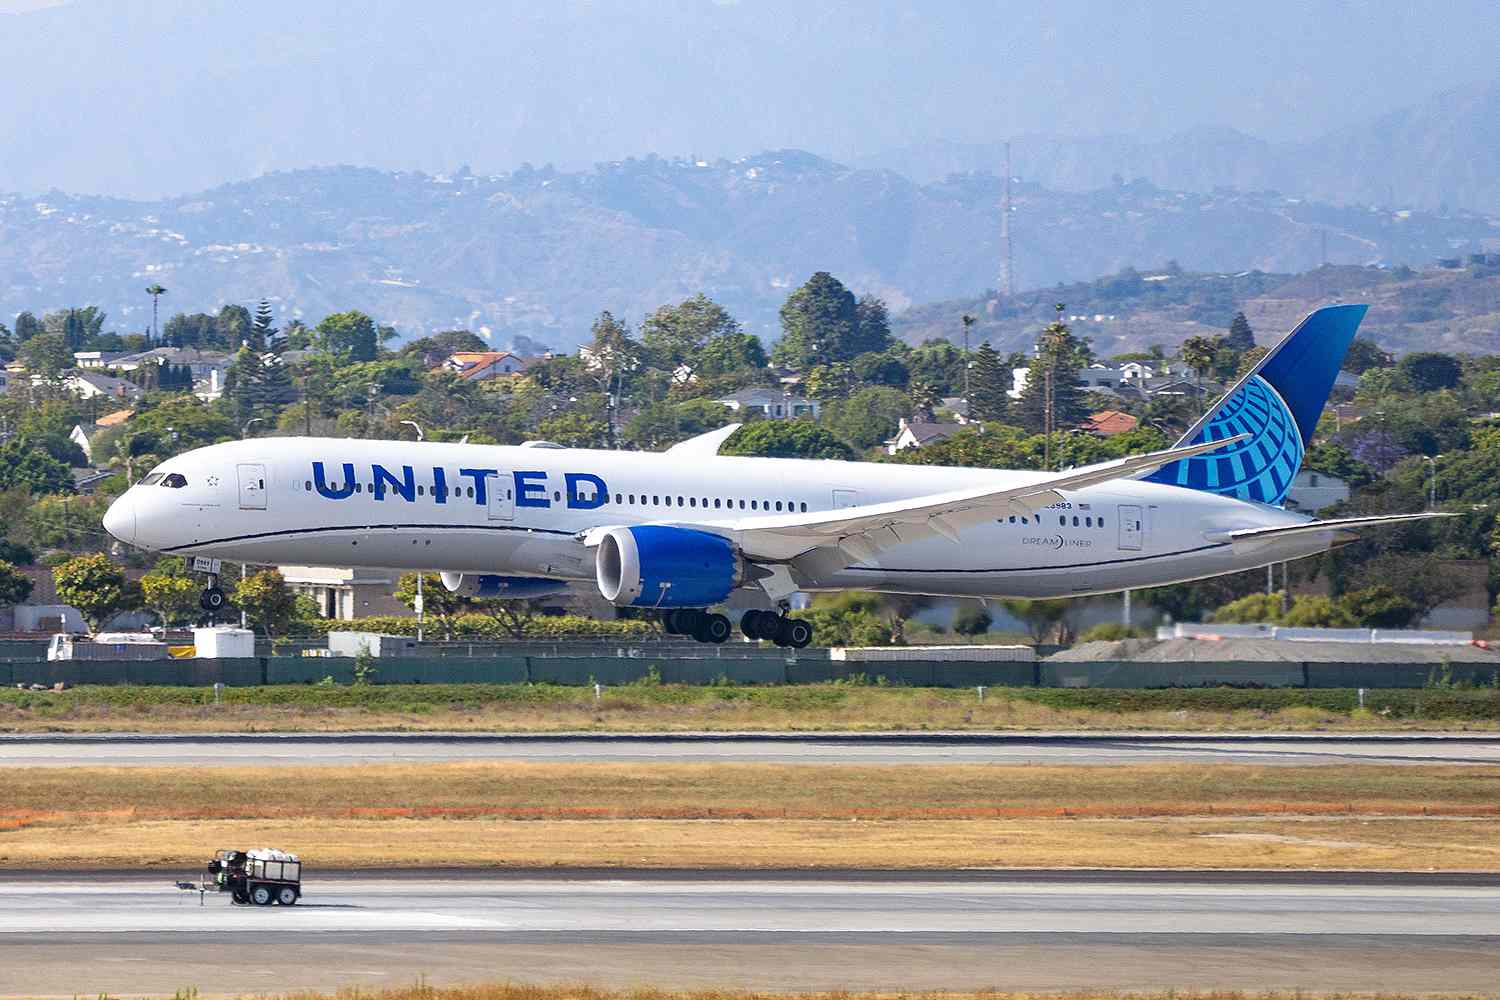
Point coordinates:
[(156, 291), (1199, 353)]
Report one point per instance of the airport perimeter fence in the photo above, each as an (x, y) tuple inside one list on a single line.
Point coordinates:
[(780, 667)]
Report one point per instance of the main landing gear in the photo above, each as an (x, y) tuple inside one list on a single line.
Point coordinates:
[(706, 626), (783, 631), (701, 625)]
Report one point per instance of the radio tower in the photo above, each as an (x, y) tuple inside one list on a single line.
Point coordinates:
[(1007, 265)]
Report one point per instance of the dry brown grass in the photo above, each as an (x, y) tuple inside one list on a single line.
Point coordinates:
[(520, 814), (522, 991)]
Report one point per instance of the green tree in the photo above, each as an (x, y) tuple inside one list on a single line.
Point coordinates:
[(1379, 607), (266, 600), (829, 382), (610, 358), (1198, 353), (674, 335), (1043, 618), (27, 326), (244, 385), (988, 382), (156, 291), (233, 326), (869, 417), (1251, 609), (437, 600), (24, 465), (730, 353), (785, 439), (1429, 371), (972, 619), (1240, 337), (574, 430), (819, 324), (46, 355), (277, 389), (849, 619), (15, 586), (93, 585), (1363, 355), (170, 591), (1317, 611), (1052, 398), (350, 336), (263, 328)]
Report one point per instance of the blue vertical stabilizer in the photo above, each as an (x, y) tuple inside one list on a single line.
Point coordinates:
[(1277, 405)]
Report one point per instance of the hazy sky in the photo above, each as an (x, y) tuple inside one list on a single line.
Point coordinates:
[(176, 94)]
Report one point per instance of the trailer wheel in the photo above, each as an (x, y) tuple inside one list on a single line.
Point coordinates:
[(261, 895), (286, 895)]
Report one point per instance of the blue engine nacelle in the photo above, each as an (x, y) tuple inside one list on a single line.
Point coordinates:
[(490, 587), (652, 566)]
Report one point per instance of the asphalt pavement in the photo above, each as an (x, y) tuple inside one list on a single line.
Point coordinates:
[(835, 748), (73, 934)]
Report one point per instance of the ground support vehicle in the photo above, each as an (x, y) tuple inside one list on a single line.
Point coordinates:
[(263, 877)]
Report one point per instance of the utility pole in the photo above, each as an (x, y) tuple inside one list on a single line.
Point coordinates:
[(968, 321), (1007, 265)]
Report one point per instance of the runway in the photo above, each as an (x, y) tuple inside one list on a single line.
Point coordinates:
[(833, 748), (73, 935)]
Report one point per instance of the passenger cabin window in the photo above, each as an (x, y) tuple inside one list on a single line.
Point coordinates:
[(174, 481), (152, 479)]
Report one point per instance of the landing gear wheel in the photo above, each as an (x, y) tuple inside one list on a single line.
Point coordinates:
[(240, 897), (794, 632), (752, 624), (685, 621), (262, 895), (212, 599), (286, 895), (668, 625), (713, 628)]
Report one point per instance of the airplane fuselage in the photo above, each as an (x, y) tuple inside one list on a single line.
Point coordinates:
[(522, 511)]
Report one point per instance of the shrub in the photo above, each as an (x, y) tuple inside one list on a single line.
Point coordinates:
[(1112, 632)]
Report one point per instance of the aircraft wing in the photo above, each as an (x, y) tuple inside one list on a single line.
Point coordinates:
[(862, 531)]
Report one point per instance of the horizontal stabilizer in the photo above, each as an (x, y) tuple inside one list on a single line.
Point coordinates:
[(1350, 525)]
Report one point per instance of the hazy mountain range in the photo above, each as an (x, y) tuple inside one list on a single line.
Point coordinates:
[(541, 252), (1440, 152)]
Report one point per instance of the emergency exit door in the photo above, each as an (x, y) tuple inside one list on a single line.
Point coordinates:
[(1132, 530), (502, 503), (845, 498), (252, 487)]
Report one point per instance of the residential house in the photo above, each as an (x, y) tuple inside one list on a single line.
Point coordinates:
[(916, 433), (481, 366), (96, 359), (1108, 423), (92, 385), (1312, 491), (346, 594), (772, 403), (203, 364)]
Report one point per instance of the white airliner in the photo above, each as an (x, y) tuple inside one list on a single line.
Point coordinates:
[(686, 530)]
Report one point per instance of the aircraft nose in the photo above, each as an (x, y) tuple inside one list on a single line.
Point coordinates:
[(119, 520)]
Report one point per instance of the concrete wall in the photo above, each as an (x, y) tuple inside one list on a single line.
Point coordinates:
[(779, 669)]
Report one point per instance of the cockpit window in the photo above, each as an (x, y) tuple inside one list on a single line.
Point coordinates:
[(174, 481), (152, 479)]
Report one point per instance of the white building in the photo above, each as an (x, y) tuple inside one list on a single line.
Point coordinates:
[(916, 433), (771, 403), (346, 594), (1312, 491)]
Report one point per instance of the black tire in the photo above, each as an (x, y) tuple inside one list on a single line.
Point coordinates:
[(262, 895), (286, 896), (750, 625), (794, 632), (686, 621), (713, 629), (668, 625), (213, 599)]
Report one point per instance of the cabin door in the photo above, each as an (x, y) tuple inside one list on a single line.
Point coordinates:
[(1132, 530), (845, 498), (502, 502), (252, 487)]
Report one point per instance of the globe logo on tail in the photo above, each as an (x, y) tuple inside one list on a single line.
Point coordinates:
[(1259, 468)]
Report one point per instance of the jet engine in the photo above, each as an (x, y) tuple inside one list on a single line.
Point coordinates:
[(654, 566), (491, 587)]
